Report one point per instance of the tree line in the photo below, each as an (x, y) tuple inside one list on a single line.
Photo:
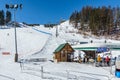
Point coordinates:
[(5, 17), (50, 25), (96, 19)]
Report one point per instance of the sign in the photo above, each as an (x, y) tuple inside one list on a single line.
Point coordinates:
[(102, 49), (6, 53)]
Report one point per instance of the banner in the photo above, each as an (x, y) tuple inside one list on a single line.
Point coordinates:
[(102, 49)]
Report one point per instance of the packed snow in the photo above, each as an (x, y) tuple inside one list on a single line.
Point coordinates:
[(39, 43)]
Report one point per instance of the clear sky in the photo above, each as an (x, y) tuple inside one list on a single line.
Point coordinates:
[(51, 11)]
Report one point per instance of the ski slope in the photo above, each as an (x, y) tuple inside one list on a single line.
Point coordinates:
[(41, 43)]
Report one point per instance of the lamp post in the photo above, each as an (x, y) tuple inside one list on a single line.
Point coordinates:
[(14, 7)]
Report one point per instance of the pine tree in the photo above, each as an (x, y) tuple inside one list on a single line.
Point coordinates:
[(1, 17), (101, 20), (8, 16)]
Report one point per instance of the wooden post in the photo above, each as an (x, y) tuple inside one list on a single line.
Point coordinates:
[(67, 74), (42, 72), (21, 65), (110, 62), (95, 58)]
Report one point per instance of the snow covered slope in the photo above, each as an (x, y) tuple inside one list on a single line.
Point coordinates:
[(29, 41), (41, 43)]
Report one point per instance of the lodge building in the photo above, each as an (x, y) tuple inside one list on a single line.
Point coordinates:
[(64, 53)]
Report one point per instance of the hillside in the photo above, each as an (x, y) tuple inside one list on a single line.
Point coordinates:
[(40, 42)]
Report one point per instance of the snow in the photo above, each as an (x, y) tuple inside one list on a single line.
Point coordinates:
[(39, 43)]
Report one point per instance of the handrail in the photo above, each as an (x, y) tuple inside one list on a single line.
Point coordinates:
[(90, 73), (7, 77)]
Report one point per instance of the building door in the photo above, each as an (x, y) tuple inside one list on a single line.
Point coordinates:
[(68, 57)]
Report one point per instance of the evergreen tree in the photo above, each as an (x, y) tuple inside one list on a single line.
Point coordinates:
[(117, 16), (101, 20), (8, 16), (1, 17)]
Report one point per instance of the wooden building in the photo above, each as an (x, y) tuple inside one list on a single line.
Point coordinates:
[(64, 53)]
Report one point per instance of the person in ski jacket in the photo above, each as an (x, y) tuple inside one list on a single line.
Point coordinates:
[(107, 59), (98, 58)]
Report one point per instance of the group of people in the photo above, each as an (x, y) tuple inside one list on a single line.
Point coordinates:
[(86, 59), (101, 61)]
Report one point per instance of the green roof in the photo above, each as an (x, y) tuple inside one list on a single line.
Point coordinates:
[(60, 47), (92, 48), (87, 48)]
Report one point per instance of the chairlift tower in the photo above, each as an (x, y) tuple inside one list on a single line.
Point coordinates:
[(57, 31)]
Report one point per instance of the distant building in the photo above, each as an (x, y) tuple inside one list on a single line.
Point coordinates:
[(64, 53)]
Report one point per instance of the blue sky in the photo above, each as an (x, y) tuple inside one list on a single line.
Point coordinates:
[(51, 11)]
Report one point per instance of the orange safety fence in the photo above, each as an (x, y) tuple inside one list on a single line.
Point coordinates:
[(6, 53)]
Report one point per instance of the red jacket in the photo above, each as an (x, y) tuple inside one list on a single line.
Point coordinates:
[(107, 59)]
